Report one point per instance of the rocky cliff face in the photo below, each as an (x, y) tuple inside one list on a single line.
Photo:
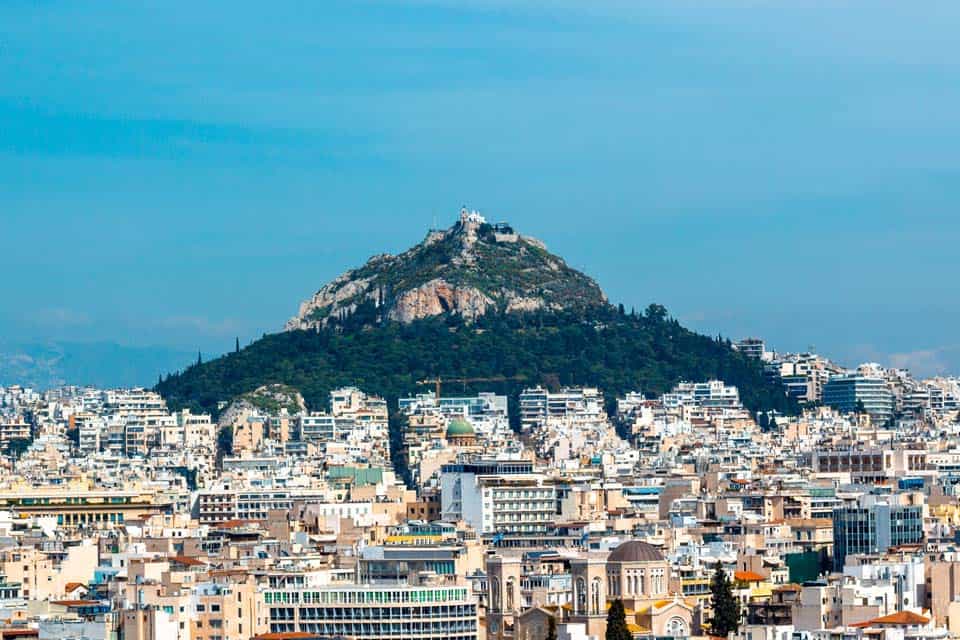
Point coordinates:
[(468, 270), (439, 296), (268, 399)]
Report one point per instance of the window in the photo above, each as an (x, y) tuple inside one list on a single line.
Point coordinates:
[(495, 594), (676, 628), (581, 596)]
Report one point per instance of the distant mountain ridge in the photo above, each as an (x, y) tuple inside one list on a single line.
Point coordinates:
[(45, 365), (471, 269)]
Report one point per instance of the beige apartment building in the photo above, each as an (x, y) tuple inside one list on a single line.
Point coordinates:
[(44, 575), (177, 599)]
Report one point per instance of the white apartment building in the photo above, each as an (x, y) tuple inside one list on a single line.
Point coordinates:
[(538, 406), (710, 395), (221, 505), (498, 497)]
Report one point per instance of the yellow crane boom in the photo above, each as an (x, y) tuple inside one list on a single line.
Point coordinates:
[(438, 382)]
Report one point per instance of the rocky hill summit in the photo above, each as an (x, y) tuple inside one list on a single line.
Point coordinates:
[(470, 269)]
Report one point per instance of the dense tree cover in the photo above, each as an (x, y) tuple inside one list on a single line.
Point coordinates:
[(617, 622), (726, 607), (618, 353), (602, 347)]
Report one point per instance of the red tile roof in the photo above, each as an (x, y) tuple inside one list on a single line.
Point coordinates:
[(900, 618), (748, 576), (233, 524)]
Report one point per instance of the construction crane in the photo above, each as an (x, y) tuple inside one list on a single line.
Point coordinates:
[(438, 382)]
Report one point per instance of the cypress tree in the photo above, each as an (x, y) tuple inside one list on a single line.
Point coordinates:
[(17, 446), (763, 420), (617, 622), (236, 349), (552, 628), (726, 608)]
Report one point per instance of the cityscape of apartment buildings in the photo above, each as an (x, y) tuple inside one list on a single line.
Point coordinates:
[(299, 341), (120, 518)]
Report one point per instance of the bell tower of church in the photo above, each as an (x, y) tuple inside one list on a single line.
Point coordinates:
[(503, 595), (589, 574)]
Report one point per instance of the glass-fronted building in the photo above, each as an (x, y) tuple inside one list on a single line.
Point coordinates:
[(845, 393), (873, 526)]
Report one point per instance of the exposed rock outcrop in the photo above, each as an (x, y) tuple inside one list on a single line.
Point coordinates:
[(468, 270), (268, 399), (436, 297)]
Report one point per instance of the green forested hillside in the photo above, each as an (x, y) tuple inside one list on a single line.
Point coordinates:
[(602, 347)]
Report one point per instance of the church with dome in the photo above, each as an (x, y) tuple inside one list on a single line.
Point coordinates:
[(635, 572), (460, 433)]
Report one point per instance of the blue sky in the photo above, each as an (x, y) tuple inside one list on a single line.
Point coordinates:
[(175, 174)]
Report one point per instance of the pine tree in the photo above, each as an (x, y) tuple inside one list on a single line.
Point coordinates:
[(617, 622), (17, 446), (199, 359), (552, 628), (763, 420), (726, 608)]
